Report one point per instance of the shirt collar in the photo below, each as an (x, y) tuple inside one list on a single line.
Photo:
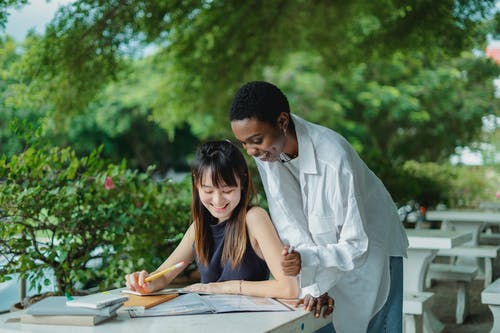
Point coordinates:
[(307, 155)]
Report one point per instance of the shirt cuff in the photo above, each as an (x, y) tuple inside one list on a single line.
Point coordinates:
[(312, 290)]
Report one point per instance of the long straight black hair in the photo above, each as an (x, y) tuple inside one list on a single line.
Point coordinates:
[(228, 168)]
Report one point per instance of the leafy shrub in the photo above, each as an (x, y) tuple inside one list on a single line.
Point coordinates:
[(455, 186), (87, 220), (472, 185)]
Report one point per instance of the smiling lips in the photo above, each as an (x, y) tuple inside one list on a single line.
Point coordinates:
[(264, 156), (220, 209)]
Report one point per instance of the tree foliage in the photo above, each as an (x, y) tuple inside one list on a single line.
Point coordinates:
[(397, 78), (119, 117), (85, 219), (209, 48)]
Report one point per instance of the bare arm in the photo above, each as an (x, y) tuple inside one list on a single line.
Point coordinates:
[(262, 233), (183, 252)]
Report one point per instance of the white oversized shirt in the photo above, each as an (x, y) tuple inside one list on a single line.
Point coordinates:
[(341, 220)]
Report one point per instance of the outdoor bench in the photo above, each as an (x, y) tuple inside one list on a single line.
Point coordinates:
[(486, 253), (462, 275), (413, 309), (491, 297)]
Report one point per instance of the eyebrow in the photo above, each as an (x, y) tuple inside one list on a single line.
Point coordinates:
[(208, 186)]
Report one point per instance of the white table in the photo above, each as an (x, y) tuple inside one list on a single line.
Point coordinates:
[(424, 244), (469, 221), (241, 322), (466, 220), (463, 215)]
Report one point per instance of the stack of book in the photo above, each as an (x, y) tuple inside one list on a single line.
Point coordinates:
[(80, 311)]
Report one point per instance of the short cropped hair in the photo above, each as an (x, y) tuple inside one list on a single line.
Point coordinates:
[(261, 100)]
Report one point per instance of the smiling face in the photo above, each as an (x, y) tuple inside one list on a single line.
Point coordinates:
[(259, 139), (220, 200)]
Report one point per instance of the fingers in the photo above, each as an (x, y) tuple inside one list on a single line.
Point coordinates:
[(135, 282), (329, 309), (290, 263), (299, 302), (317, 308), (317, 304), (309, 302)]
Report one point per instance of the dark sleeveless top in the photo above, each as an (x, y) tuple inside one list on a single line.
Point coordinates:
[(251, 267)]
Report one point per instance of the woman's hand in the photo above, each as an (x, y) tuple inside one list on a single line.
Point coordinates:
[(226, 287), (315, 304), (290, 262), (135, 282)]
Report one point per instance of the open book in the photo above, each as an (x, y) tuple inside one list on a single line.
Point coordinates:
[(193, 303)]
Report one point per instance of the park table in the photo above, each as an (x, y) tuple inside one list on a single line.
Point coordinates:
[(423, 247), (242, 322)]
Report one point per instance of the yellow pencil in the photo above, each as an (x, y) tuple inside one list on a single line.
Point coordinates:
[(166, 270)]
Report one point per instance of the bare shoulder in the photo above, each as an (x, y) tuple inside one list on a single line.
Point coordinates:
[(190, 231), (257, 216)]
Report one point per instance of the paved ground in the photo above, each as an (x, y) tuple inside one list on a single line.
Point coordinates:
[(480, 319)]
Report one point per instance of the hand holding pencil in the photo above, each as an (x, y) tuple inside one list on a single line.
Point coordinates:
[(162, 272), (144, 282)]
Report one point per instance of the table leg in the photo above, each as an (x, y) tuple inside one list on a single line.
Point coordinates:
[(415, 269)]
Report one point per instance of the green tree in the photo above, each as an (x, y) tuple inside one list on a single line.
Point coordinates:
[(119, 117), (208, 48)]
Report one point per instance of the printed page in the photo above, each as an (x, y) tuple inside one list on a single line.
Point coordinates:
[(242, 303), (181, 305)]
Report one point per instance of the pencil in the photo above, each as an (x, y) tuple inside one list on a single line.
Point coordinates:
[(166, 270)]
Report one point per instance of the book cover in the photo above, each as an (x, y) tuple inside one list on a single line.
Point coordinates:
[(97, 301), (64, 320), (147, 301), (56, 305)]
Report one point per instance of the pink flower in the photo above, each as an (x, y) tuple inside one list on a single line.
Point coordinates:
[(108, 183), (498, 195)]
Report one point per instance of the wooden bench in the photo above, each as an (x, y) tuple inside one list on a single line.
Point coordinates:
[(413, 309), (487, 253), (491, 297), (462, 275)]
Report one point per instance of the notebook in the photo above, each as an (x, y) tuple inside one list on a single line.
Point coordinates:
[(147, 302), (97, 301), (64, 320), (56, 305)]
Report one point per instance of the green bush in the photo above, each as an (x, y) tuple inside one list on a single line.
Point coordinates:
[(455, 186), (472, 185), (89, 221)]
